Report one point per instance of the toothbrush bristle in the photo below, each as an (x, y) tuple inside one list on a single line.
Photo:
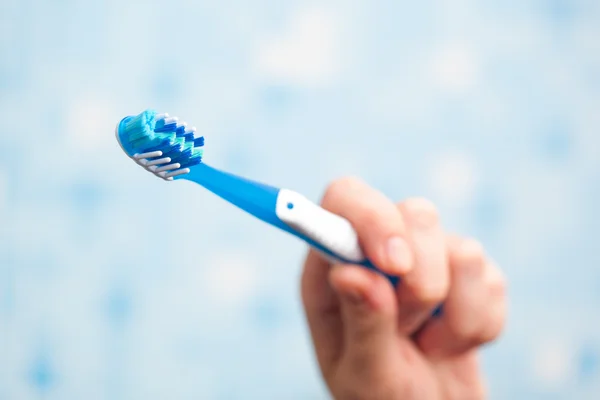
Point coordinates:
[(160, 143)]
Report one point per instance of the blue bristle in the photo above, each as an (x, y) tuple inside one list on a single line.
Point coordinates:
[(174, 148), (142, 134), (199, 142), (193, 161), (159, 124), (137, 132), (162, 127), (180, 130), (157, 144), (166, 128)]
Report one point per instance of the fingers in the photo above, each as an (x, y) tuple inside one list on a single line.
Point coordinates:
[(377, 221), (322, 310), (364, 306), (426, 285), (474, 311), (369, 312)]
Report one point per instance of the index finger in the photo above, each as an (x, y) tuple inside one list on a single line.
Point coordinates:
[(379, 224)]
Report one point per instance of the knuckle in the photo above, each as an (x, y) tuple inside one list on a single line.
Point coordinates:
[(469, 253), (430, 294), (492, 329), (465, 331), (480, 330), (496, 282), (421, 212), (498, 287)]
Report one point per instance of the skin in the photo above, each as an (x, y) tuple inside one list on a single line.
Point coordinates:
[(373, 341)]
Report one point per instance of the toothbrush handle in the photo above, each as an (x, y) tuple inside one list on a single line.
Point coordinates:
[(328, 233), (325, 231)]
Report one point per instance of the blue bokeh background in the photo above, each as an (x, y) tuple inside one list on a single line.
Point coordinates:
[(115, 284)]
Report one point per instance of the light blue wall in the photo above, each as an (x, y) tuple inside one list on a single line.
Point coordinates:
[(114, 284)]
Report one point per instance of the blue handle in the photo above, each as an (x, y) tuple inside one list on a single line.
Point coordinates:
[(260, 200), (257, 199)]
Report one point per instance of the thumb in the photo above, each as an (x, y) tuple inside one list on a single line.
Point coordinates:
[(369, 311)]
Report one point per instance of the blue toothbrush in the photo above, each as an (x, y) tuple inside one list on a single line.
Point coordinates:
[(171, 150)]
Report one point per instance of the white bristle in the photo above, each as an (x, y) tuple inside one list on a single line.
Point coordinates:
[(164, 160), (150, 154), (177, 173), (168, 167)]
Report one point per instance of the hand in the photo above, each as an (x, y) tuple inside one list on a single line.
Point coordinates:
[(376, 342)]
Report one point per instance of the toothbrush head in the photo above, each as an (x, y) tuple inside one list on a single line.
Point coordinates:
[(160, 143)]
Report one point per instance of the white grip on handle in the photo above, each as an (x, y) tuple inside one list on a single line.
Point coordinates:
[(329, 230)]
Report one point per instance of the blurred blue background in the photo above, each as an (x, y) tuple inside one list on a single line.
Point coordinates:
[(115, 284)]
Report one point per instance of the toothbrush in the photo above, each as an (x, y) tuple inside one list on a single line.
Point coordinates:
[(171, 150)]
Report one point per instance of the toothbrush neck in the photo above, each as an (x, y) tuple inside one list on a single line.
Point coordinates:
[(253, 197)]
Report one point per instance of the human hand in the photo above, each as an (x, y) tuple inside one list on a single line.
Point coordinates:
[(373, 341)]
